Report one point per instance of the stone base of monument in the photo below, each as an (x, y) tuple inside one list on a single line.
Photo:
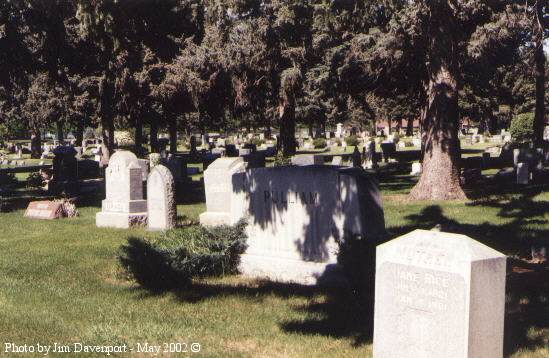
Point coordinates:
[(215, 219), (120, 220), (291, 271)]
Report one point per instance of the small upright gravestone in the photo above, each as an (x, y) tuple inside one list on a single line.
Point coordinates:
[(124, 205), (161, 208), (523, 174), (438, 295)]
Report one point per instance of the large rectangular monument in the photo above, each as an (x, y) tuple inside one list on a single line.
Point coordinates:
[(124, 205), (438, 295), (296, 216)]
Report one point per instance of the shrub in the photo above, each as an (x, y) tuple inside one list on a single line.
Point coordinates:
[(178, 256), (352, 141), (258, 142), (35, 180), (522, 127), (280, 160), (319, 143), (68, 208), (338, 141), (7, 178), (89, 133)]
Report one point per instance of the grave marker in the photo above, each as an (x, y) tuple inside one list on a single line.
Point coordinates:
[(124, 205), (46, 210), (161, 208), (438, 295)]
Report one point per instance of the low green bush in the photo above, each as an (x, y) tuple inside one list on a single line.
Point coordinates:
[(522, 128), (320, 143), (7, 178), (35, 180), (352, 141), (258, 142), (280, 160), (178, 256)]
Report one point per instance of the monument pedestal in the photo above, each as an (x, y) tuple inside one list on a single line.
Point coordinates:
[(120, 220), (215, 219)]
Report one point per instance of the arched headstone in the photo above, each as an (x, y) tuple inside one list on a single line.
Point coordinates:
[(161, 208), (124, 205)]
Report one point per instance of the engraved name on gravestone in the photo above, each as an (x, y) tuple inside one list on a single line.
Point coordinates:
[(161, 208), (295, 216), (438, 295), (124, 205)]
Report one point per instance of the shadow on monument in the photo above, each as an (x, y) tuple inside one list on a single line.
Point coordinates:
[(326, 193)]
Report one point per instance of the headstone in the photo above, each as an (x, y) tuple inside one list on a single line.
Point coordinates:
[(220, 151), (308, 159), (255, 159), (79, 152), (296, 216), (177, 167), (438, 295), (416, 168), (65, 170), (144, 164), (124, 205), (244, 151), (231, 151), (339, 130), (388, 149), (47, 210), (356, 158), (161, 207), (219, 196), (337, 160), (523, 174)]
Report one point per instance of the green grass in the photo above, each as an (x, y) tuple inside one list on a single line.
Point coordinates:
[(60, 283)]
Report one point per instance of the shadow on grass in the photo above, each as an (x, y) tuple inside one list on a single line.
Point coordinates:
[(348, 312)]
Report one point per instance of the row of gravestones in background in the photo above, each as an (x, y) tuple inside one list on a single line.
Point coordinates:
[(437, 294)]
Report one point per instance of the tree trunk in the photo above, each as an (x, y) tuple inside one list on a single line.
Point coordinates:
[(106, 92), (154, 136), (59, 127), (539, 119), (286, 143), (36, 144), (79, 132), (173, 135), (440, 178), (410, 127), (138, 135)]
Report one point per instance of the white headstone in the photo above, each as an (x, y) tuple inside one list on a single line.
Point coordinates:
[(438, 295), (337, 160), (161, 208), (124, 205), (416, 168), (339, 130), (219, 191), (523, 174)]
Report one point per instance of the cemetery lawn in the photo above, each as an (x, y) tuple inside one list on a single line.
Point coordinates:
[(60, 283)]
